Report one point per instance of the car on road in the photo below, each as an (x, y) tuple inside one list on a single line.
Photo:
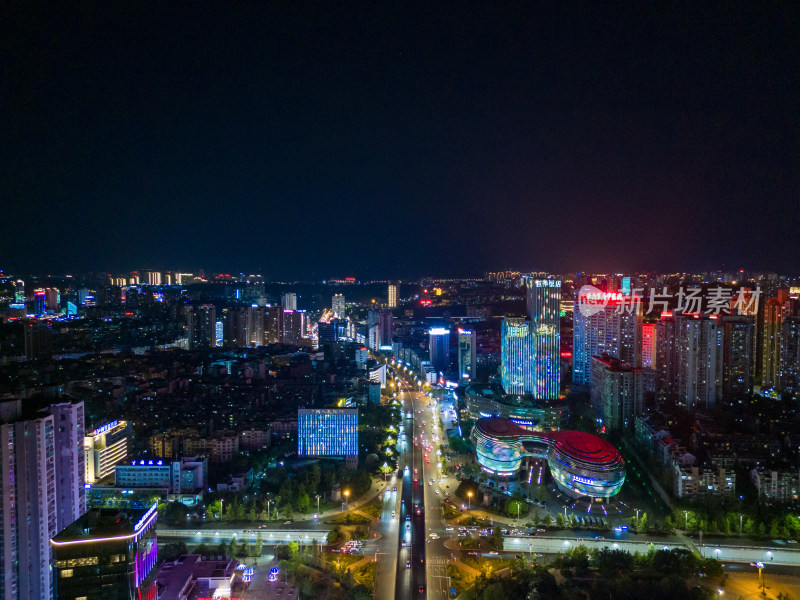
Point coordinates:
[(394, 488), (394, 514), (408, 564)]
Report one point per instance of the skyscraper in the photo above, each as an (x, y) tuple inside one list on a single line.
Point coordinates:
[(615, 329), (439, 348), (338, 306), (41, 491), (544, 306), (774, 312), (107, 553), (201, 326), (617, 392), (392, 296), (516, 356), (649, 337), (689, 359), (790, 356), (738, 358), (290, 301), (467, 354)]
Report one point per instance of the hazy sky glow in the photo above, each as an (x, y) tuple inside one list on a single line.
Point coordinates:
[(390, 141)]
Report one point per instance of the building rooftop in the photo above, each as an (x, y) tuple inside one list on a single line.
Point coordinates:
[(105, 523)]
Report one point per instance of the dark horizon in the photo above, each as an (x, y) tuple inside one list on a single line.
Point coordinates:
[(390, 142)]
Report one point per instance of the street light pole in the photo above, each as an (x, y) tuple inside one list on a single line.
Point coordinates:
[(469, 500), (317, 503)]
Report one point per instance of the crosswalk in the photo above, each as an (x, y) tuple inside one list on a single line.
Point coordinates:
[(437, 560)]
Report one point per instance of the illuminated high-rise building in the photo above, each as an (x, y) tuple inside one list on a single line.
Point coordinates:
[(328, 432), (689, 360), (790, 356), (107, 553), (256, 316), (338, 306), (294, 328), (41, 491), (153, 277), (774, 312), (738, 358), (467, 354), (392, 296), (19, 291), (290, 301), (201, 326), (439, 348), (380, 328), (649, 337), (104, 448), (516, 356), (544, 307), (234, 327), (617, 392), (39, 302), (615, 329)]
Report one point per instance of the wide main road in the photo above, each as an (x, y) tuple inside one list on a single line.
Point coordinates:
[(410, 582)]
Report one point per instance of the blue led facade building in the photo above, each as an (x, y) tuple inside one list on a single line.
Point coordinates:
[(439, 348), (328, 432), (516, 356), (544, 307)]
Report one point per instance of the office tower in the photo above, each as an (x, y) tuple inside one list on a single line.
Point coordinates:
[(104, 448), (19, 291), (617, 392), (290, 301), (338, 306), (775, 310), (689, 360), (326, 332), (107, 554), (516, 356), (38, 340), (649, 343), (52, 299), (41, 490), (201, 326), (614, 330), (39, 302), (328, 432), (439, 348), (467, 354), (544, 307), (392, 296), (790, 356), (738, 358)]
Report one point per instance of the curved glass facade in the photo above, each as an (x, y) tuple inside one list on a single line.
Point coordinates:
[(581, 464)]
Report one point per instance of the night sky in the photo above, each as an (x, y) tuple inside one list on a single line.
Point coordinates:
[(397, 139)]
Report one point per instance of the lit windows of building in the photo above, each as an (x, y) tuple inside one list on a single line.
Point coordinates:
[(328, 432)]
